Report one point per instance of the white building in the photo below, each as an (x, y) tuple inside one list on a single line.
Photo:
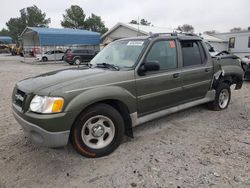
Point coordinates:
[(123, 30), (217, 43), (238, 42)]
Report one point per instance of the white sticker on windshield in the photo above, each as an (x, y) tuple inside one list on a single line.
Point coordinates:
[(135, 43)]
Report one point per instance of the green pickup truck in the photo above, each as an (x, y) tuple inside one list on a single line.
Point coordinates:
[(131, 81)]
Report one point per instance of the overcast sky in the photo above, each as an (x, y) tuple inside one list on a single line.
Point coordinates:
[(220, 15)]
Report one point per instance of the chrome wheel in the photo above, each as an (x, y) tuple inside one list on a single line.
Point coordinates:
[(223, 98), (98, 132)]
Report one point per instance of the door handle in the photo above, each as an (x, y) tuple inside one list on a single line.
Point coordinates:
[(176, 75)]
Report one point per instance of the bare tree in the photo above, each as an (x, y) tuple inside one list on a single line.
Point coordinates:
[(235, 29), (210, 32), (186, 28)]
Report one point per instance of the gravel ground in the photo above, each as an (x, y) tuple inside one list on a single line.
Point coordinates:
[(192, 148)]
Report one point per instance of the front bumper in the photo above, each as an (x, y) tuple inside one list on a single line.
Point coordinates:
[(42, 137)]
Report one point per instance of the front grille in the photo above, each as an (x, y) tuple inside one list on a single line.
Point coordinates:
[(19, 98)]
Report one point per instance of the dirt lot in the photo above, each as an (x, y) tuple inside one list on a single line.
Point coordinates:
[(192, 148)]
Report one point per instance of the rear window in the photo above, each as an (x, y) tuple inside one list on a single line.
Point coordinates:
[(80, 51), (91, 51)]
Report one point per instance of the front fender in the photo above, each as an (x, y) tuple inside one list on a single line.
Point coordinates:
[(91, 96)]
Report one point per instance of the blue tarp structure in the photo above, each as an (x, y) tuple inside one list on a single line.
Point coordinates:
[(56, 37), (6, 40)]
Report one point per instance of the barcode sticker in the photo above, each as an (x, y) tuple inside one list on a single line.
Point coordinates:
[(135, 43)]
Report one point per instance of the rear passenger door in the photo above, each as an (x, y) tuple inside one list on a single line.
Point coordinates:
[(197, 70)]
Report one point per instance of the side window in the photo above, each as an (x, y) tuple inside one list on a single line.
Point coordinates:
[(164, 52), (209, 47), (191, 53)]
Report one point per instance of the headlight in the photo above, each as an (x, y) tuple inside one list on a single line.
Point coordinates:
[(44, 104)]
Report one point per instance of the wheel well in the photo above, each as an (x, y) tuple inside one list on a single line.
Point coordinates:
[(123, 110), (76, 57), (230, 80)]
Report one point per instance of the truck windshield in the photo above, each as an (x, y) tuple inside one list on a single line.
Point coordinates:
[(122, 53)]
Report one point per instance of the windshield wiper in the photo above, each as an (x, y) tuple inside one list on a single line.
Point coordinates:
[(107, 65)]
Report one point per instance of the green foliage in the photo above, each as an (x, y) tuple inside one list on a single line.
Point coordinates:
[(35, 17), (236, 29), (29, 17), (186, 28), (74, 18), (133, 22), (4, 32), (95, 23), (210, 32), (15, 26), (142, 22)]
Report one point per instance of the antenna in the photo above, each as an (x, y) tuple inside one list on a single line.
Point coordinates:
[(138, 26)]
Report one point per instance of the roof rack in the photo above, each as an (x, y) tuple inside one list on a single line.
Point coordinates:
[(172, 34)]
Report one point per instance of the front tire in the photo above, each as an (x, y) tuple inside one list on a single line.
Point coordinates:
[(222, 97), (98, 131)]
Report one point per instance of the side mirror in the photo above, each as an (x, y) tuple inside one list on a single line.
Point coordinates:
[(148, 66), (211, 49)]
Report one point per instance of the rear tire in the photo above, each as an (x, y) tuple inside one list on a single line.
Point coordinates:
[(77, 61), (98, 131), (222, 97), (44, 59)]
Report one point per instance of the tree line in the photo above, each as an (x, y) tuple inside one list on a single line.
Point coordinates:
[(74, 17)]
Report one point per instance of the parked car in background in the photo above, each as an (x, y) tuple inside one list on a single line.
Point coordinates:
[(52, 55), (35, 51), (246, 66), (77, 56)]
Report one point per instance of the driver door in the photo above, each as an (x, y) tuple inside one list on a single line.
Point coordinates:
[(157, 90)]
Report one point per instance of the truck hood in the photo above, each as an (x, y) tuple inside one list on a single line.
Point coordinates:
[(34, 84)]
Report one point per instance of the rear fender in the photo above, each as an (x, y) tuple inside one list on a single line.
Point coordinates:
[(230, 74)]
